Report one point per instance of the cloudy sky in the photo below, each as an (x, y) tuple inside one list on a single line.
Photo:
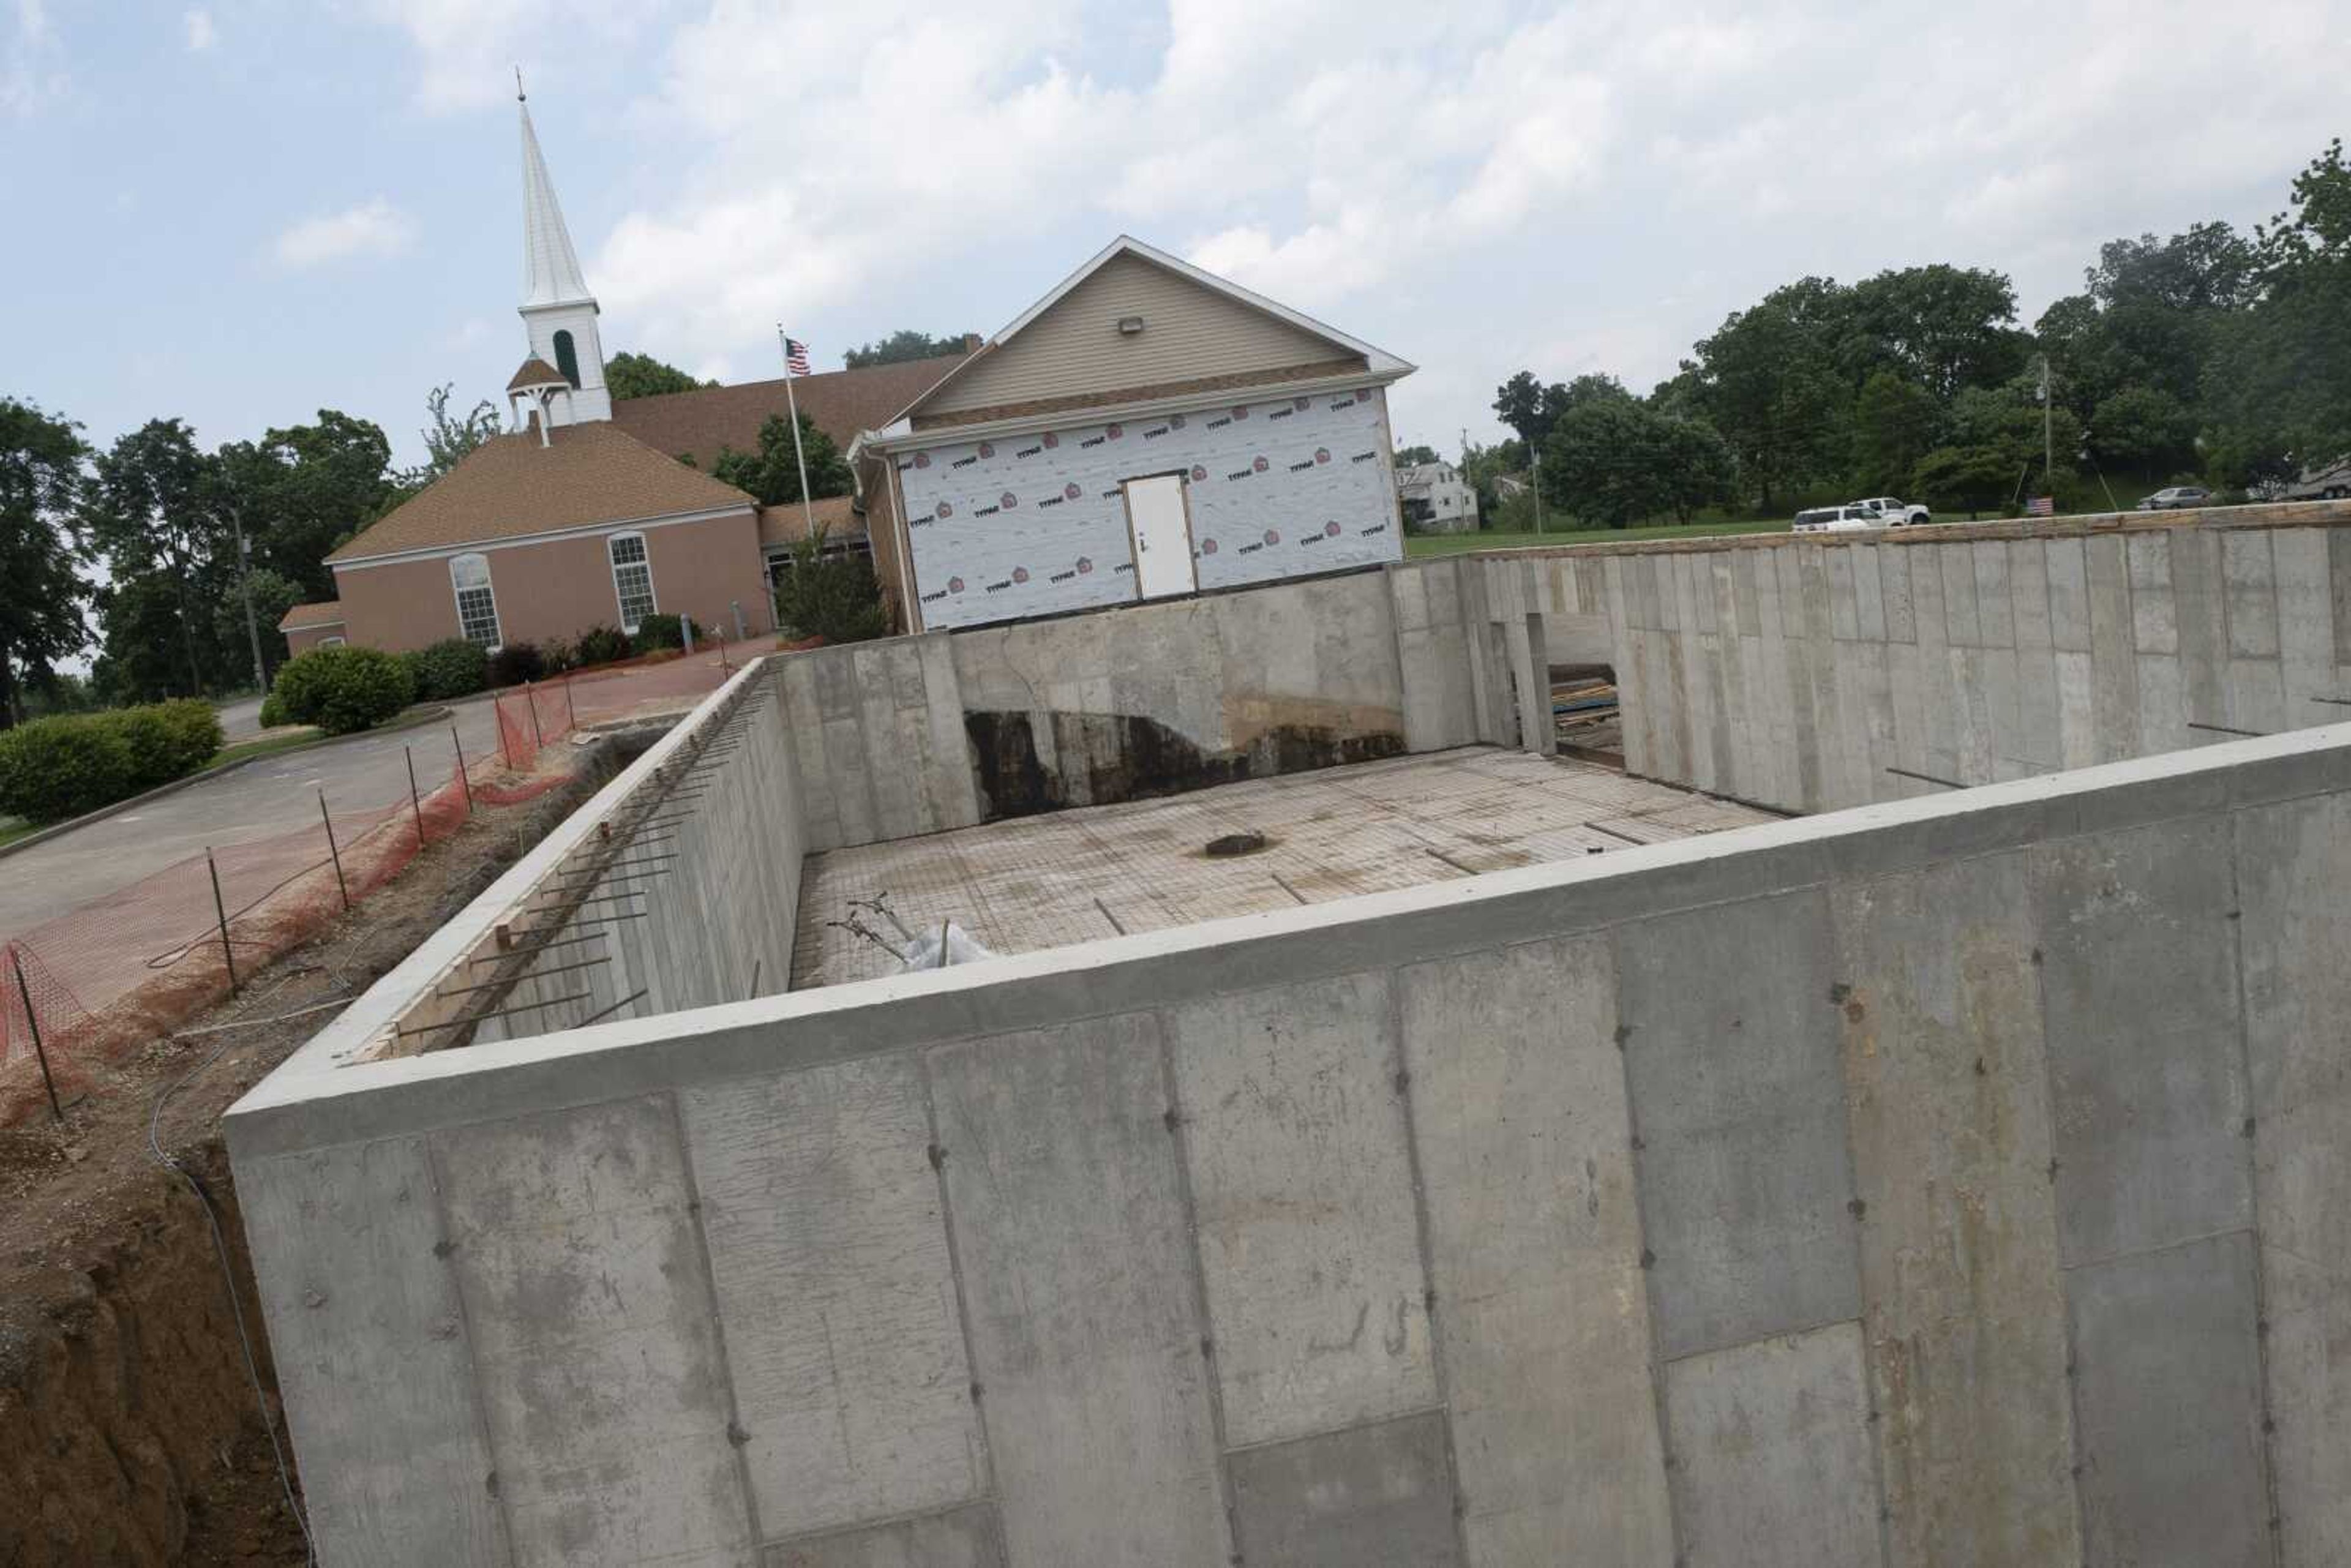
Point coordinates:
[(242, 212)]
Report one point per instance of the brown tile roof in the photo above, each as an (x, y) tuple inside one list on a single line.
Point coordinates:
[(511, 486), (836, 515), (841, 403), (538, 372), (330, 614), (1235, 382)]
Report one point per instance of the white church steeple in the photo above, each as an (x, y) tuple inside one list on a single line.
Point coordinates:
[(557, 308)]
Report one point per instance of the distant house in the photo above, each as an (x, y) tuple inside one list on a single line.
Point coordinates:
[(1146, 430), (1435, 497)]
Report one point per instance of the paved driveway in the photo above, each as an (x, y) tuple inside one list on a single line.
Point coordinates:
[(272, 796), (281, 794)]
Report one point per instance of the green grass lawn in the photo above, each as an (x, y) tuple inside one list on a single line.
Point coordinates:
[(13, 828), (1419, 544)]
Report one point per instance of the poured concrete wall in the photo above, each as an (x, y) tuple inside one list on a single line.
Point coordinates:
[(1803, 673), (1952, 1183), (918, 734)]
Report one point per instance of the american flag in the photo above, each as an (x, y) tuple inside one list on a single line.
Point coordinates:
[(796, 360), (2040, 506)]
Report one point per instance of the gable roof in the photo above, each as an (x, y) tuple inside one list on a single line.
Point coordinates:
[(699, 423), (327, 613), (1376, 361), (511, 486), (538, 372), (788, 522)]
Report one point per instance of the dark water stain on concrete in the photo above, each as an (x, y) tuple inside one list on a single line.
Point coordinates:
[(1107, 757)]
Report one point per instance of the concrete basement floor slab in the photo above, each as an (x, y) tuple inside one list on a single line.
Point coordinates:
[(1095, 872)]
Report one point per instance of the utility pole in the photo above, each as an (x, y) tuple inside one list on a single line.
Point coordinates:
[(1535, 453), (245, 590), (2048, 446)]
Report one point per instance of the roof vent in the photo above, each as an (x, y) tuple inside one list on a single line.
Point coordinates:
[(1128, 326)]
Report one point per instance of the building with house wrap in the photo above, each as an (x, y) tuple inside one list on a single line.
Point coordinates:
[(1145, 431)]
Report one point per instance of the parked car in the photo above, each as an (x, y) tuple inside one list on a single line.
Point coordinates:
[(2328, 482), (1839, 520), (1896, 513), (2176, 497)]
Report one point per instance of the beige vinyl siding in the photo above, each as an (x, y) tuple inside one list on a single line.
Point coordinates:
[(1189, 332)]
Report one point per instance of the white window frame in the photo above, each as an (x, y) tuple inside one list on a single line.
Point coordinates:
[(457, 592), (619, 597), (332, 642)]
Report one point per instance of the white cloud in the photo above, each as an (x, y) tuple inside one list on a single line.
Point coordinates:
[(1478, 185), (201, 35), (466, 52), (375, 228), (32, 62)]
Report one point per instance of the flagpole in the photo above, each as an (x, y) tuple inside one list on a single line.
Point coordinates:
[(807, 508)]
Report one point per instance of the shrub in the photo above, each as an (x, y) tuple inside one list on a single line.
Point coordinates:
[(52, 768), (833, 597), (602, 645), (57, 767), (452, 667), (168, 740), (657, 633), (343, 689), (560, 654), (517, 663), (273, 713)]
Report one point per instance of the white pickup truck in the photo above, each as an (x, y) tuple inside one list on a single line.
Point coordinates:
[(1894, 511)]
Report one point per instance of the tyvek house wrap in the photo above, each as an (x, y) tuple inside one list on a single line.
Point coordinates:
[(1034, 524)]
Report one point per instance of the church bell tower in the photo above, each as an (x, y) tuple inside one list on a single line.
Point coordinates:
[(557, 308)]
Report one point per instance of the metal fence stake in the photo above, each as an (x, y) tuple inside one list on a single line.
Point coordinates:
[(26, 991), (530, 695), (219, 910), (415, 804), (334, 853), (459, 746)]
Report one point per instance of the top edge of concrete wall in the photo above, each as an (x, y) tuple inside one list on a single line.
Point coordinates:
[(383, 1003), (308, 1103), (2274, 515)]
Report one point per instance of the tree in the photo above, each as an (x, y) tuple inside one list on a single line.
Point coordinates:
[(1614, 461), (1407, 455), (2208, 268), (1893, 421), (1771, 380), (1945, 327), (1518, 403), (628, 375), (149, 513), (448, 438), (2285, 365), (2145, 429), (902, 345), (831, 594), (773, 475), (41, 595), (303, 490), (1967, 478)]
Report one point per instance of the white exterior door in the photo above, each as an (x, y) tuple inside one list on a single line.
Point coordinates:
[(1163, 536)]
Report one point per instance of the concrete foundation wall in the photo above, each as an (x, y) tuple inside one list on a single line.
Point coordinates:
[(1950, 1183), (1816, 673), (918, 734)]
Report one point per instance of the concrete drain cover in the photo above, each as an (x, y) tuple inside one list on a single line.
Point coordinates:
[(1232, 844)]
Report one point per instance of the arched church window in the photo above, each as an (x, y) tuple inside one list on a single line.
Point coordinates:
[(566, 358)]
